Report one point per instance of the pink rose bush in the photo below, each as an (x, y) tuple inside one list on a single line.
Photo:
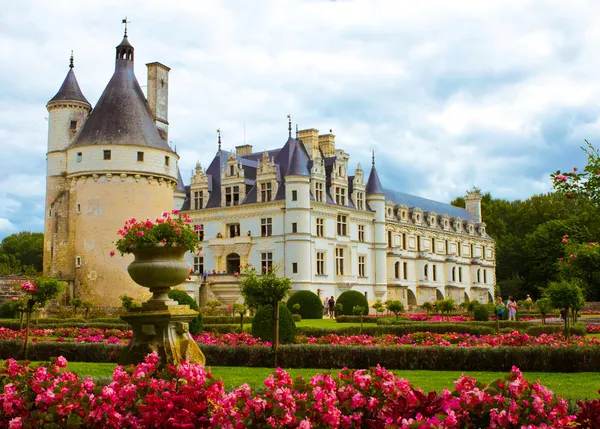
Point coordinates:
[(145, 396), (593, 329)]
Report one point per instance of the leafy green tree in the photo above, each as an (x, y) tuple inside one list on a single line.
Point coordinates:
[(446, 306), (582, 261), (240, 309), (473, 304), (544, 306), (22, 252), (75, 303), (427, 306), (565, 294), (395, 307), (87, 306), (360, 311), (378, 307), (581, 184), (267, 289)]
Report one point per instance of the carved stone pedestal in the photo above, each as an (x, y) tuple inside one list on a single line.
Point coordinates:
[(164, 331)]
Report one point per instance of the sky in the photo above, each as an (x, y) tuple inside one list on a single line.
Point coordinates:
[(495, 94)]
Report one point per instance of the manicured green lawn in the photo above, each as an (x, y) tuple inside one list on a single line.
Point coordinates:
[(320, 323), (567, 385)]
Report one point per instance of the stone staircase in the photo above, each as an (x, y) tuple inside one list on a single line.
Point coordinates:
[(224, 288)]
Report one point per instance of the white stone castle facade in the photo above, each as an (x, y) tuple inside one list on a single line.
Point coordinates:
[(297, 207)]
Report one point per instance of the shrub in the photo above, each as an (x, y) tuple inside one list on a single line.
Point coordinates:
[(224, 320), (297, 317), (311, 306), (350, 299), (445, 306), (400, 328), (480, 313), (577, 329), (472, 305), (184, 299), (9, 310), (544, 306), (395, 307), (262, 325)]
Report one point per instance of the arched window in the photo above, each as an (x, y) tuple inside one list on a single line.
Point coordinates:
[(426, 270), (397, 270)]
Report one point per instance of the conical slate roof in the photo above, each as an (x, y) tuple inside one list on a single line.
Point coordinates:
[(69, 90), (180, 186), (374, 184), (298, 163), (122, 115)]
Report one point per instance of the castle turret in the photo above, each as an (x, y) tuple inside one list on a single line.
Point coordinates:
[(298, 257), (376, 202), (67, 112), (119, 166)]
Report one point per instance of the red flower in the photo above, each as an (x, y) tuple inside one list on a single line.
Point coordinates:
[(112, 253)]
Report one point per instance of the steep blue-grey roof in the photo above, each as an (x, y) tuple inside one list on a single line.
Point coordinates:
[(374, 184), (69, 90), (426, 205), (180, 186), (298, 163)]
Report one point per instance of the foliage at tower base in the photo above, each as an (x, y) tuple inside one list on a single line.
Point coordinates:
[(21, 253), (266, 289)]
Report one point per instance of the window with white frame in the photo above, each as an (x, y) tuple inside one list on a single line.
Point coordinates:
[(234, 230), (266, 227), (361, 233), (433, 249), (78, 261), (266, 191), (320, 263), (199, 264), (405, 270), (360, 201), (340, 196), (460, 274), (232, 196), (485, 276), (339, 261), (397, 270), (320, 192), (434, 272), (198, 200), (362, 265), (426, 271), (320, 227), (266, 261), (342, 224), (404, 241)]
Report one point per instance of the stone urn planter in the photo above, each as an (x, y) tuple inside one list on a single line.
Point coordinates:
[(161, 324)]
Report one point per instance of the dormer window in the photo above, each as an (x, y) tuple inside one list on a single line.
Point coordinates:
[(445, 224), (198, 200), (319, 191), (340, 196), (432, 221), (471, 229), (418, 218), (231, 170), (266, 191), (232, 195), (403, 215)]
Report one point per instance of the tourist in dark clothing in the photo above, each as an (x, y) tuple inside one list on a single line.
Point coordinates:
[(331, 303)]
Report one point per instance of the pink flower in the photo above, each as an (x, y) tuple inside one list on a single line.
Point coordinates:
[(139, 233), (574, 168), (164, 241), (561, 177), (565, 239), (14, 298), (112, 253), (235, 274), (29, 287), (198, 227), (165, 214), (61, 362), (573, 256), (175, 212), (16, 423)]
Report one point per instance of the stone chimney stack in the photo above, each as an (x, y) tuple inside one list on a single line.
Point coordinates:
[(158, 94), (310, 138), (327, 144), (473, 204), (243, 150)]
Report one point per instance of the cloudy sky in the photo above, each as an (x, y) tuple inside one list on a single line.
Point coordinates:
[(495, 94)]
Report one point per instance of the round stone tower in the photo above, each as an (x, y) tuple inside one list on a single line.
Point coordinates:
[(67, 113), (119, 167)]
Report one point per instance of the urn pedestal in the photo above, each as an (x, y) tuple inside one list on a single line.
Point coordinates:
[(161, 325)]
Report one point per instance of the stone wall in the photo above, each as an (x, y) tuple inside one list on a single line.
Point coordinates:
[(7, 289)]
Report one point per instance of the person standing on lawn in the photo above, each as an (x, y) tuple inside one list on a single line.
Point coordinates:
[(331, 303), (325, 306), (511, 304), (500, 307)]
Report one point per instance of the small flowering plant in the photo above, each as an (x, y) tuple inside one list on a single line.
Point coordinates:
[(170, 230)]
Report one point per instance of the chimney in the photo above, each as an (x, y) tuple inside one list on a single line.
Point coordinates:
[(473, 204), (310, 138), (158, 94), (327, 144), (243, 150)]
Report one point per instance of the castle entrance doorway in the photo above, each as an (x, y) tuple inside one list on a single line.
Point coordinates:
[(233, 263)]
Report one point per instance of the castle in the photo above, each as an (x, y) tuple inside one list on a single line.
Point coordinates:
[(297, 207)]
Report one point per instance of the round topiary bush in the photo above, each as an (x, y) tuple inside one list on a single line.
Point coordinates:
[(350, 299), (311, 306), (183, 298), (480, 313), (262, 324), (8, 310)]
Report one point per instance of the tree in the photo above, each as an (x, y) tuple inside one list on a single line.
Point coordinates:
[(267, 289), (581, 184), (427, 306), (240, 309), (544, 306), (37, 295), (360, 311), (395, 307), (87, 306), (22, 252), (75, 303), (567, 295), (582, 261), (129, 303), (378, 307), (446, 306)]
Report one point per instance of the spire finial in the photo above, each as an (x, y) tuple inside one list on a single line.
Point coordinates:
[(373, 158), (125, 22), (289, 125), (296, 131), (71, 61), (219, 134)]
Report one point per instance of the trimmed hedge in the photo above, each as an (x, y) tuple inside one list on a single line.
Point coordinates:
[(225, 320), (577, 329), (183, 298), (224, 329), (400, 329), (14, 324), (311, 306), (262, 325), (350, 299), (536, 358), (8, 310), (481, 313)]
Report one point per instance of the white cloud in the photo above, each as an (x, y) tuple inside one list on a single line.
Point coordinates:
[(6, 226)]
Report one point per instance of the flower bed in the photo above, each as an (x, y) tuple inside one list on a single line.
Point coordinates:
[(188, 396), (593, 329)]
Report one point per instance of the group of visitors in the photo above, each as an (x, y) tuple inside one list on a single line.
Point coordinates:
[(511, 306), (329, 307)]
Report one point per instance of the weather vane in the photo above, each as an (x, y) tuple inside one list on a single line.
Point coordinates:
[(124, 21), (219, 134)]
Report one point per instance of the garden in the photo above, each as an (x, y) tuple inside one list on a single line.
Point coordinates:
[(275, 361)]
